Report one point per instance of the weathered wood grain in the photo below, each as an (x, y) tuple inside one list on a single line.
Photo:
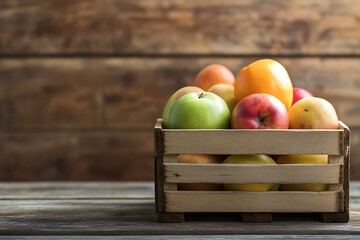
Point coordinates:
[(235, 173), (58, 90), (262, 141), (124, 217), (193, 237), (76, 190), (95, 155), (159, 169), (91, 155), (136, 216), (131, 92), (179, 27), (253, 202)]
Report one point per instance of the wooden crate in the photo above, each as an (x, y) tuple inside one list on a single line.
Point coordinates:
[(172, 205)]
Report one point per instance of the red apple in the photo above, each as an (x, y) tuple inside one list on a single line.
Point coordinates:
[(260, 111), (300, 93)]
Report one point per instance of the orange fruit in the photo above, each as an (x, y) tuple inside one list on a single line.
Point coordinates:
[(264, 76)]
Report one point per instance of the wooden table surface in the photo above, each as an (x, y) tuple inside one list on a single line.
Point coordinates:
[(117, 210)]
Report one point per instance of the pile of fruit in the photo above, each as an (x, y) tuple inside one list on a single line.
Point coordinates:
[(260, 97)]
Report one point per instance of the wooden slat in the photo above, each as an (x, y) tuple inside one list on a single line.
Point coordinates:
[(228, 201), (334, 159), (179, 27), (131, 92), (169, 186), (91, 155), (235, 173), (346, 174), (253, 141)]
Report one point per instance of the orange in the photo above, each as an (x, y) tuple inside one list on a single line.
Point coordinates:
[(264, 76)]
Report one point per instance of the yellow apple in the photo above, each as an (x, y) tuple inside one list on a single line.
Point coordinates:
[(303, 159), (199, 159), (249, 159), (313, 113), (226, 92)]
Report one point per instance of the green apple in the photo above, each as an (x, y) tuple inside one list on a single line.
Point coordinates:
[(200, 111), (174, 97), (250, 159)]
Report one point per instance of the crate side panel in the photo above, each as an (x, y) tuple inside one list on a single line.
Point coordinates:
[(228, 201), (236, 173), (253, 142)]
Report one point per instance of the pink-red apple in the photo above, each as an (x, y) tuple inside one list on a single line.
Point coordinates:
[(226, 92), (260, 111), (174, 97), (199, 159), (313, 113), (300, 93), (214, 74)]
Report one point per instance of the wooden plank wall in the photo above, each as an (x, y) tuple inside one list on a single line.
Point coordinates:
[(83, 81)]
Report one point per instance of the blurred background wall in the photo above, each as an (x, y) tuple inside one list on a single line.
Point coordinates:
[(82, 82)]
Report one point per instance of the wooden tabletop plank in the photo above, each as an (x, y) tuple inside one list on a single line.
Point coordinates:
[(101, 214), (185, 237), (76, 190), (134, 217)]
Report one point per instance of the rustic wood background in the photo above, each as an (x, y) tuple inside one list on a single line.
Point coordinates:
[(82, 82)]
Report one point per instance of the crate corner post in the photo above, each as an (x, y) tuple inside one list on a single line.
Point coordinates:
[(158, 166)]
